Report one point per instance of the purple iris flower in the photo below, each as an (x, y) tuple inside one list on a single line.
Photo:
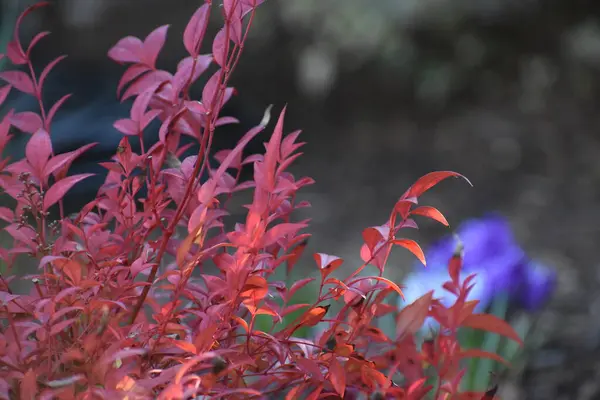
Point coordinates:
[(501, 265)]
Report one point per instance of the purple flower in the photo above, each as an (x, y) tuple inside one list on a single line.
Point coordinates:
[(501, 265)]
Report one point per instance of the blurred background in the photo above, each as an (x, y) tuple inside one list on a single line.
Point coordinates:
[(503, 91)]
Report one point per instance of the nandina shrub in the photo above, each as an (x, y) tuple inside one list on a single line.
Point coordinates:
[(124, 305)]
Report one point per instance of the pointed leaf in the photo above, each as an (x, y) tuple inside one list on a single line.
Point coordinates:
[(55, 108), (38, 150), (60, 188), (491, 323), (219, 47), (412, 317), (153, 44), (430, 212), (413, 247), (47, 70), (477, 353), (19, 80), (428, 181), (195, 29), (27, 121), (337, 376)]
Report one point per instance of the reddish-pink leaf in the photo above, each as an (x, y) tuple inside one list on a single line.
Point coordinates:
[(7, 214), (153, 44), (20, 20), (428, 181), (60, 188), (195, 29), (38, 151), (281, 230), (64, 160), (430, 212), (209, 93), (15, 55), (20, 80), (491, 323), (55, 108), (29, 385), (49, 68), (273, 154), (219, 47), (62, 325), (146, 81), (27, 121), (34, 41), (233, 12), (130, 74), (194, 106), (4, 91), (126, 126), (412, 317), (140, 104), (413, 247), (127, 50)]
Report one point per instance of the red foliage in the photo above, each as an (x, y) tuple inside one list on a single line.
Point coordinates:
[(122, 306)]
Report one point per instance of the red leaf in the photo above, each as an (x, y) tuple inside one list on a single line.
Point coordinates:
[(219, 47), (430, 212), (38, 151), (55, 108), (428, 181), (49, 68), (4, 91), (491, 323), (477, 353), (20, 80), (153, 44), (412, 317), (337, 376), (207, 190), (60, 188), (413, 247), (127, 50), (27, 121), (298, 285), (195, 30)]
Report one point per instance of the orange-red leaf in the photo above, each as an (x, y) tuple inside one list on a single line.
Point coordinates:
[(428, 181), (412, 317), (430, 212), (491, 323), (477, 353), (314, 316), (337, 376), (413, 247)]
